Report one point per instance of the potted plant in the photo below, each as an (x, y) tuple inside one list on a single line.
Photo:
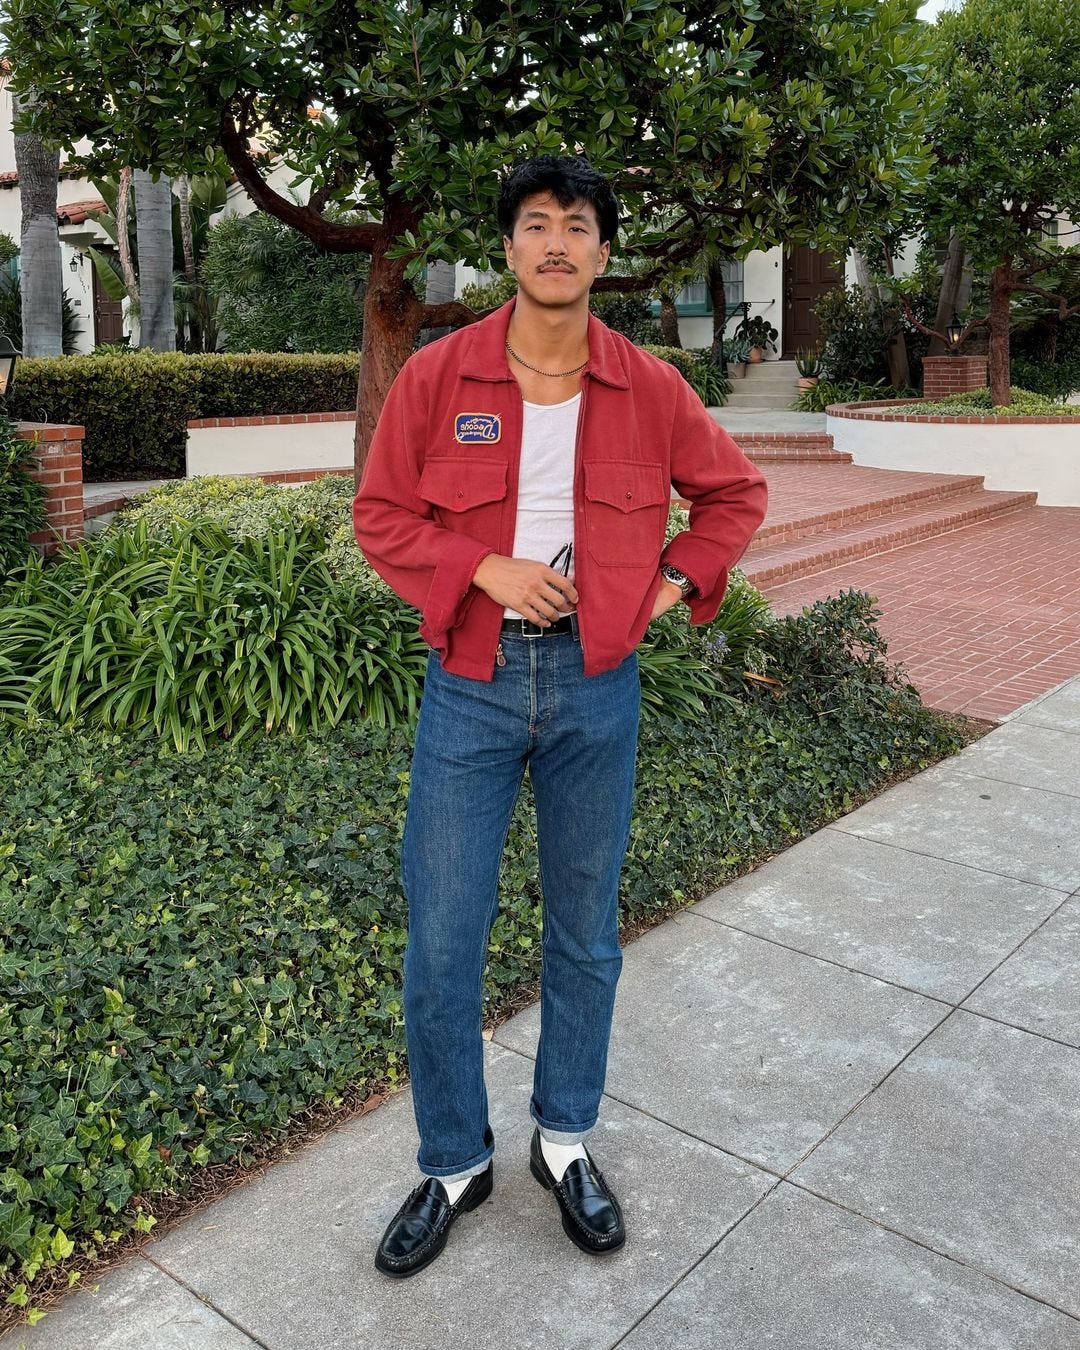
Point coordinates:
[(736, 355), (760, 333), (808, 364)]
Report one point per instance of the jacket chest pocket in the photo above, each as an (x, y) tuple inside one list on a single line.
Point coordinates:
[(626, 508), (456, 485)]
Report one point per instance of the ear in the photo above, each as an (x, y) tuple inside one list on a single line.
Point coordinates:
[(605, 254), (508, 249)]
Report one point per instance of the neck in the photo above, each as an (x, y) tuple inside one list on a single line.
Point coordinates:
[(554, 339)]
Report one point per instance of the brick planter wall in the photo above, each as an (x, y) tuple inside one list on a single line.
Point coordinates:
[(58, 450), (945, 375)]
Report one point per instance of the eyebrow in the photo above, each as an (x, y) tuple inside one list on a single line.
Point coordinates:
[(546, 215)]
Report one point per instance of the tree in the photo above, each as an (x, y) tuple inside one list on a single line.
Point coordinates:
[(1007, 148), (38, 165), (153, 231), (205, 193), (799, 121)]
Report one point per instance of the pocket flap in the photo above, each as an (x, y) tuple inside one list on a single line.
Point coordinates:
[(626, 484), (458, 484)]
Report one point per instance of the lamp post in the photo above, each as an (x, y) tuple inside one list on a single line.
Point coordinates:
[(8, 356), (954, 332)]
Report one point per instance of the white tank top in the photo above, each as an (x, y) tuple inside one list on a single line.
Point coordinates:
[(545, 505)]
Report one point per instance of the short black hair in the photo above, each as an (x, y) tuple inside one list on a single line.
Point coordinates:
[(570, 179)]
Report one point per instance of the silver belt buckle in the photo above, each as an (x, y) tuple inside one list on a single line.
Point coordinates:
[(528, 623)]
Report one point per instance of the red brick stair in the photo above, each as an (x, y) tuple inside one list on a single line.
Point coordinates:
[(824, 512), (785, 447), (979, 591)]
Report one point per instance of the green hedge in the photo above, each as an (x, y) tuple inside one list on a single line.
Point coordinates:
[(197, 947), (136, 407), (22, 498)]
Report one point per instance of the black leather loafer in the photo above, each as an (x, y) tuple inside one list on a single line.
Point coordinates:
[(418, 1231), (591, 1217)]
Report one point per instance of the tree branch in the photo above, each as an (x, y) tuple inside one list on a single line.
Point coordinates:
[(333, 237), (969, 327), (452, 314)]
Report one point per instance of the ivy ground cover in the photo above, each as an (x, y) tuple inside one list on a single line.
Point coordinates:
[(195, 947)]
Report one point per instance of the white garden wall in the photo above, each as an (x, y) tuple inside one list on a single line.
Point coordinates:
[(1020, 454), (261, 445)]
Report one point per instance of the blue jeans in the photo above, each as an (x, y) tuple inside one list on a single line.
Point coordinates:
[(578, 737)]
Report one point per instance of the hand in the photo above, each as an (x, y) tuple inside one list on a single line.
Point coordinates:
[(669, 594), (532, 589)]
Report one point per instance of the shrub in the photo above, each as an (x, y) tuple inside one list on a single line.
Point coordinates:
[(481, 295), (136, 406), (277, 291), (818, 398), (11, 315), (709, 382), (22, 499), (1055, 380), (853, 339), (1024, 403), (679, 357), (197, 948), (203, 637)]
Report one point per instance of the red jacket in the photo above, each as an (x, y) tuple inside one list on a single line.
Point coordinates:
[(439, 492)]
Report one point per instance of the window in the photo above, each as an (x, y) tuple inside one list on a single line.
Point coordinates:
[(694, 296)]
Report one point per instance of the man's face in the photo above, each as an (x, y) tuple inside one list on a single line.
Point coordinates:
[(555, 251)]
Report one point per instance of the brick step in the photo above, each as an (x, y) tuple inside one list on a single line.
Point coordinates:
[(787, 559), (793, 454), (783, 447), (885, 495)]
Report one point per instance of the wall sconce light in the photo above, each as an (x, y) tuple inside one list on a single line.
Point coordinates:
[(77, 260)]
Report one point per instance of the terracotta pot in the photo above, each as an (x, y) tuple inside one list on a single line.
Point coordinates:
[(807, 381), (757, 354)]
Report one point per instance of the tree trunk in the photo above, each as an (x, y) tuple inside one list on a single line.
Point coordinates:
[(714, 277), (38, 166), (952, 276), (392, 319), (123, 237), (669, 321), (896, 354), (193, 329), (1001, 288), (183, 192), (153, 232)]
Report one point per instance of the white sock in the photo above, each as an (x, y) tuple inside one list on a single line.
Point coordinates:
[(455, 1189), (559, 1156)]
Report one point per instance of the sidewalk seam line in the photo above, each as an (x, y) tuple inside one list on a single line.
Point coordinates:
[(926, 1246), (205, 1302), (919, 853)]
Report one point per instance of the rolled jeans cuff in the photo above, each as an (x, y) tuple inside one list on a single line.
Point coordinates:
[(562, 1136), (473, 1171)]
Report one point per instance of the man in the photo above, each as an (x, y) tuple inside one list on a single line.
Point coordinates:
[(505, 450)]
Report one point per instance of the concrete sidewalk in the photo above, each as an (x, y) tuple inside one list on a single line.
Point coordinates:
[(843, 1111)]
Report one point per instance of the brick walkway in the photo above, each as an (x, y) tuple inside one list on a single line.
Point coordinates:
[(983, 618)]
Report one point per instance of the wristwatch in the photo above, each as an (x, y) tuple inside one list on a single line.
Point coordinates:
[(677, 578)]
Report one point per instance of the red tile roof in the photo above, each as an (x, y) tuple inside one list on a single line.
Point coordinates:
[(74, 213)]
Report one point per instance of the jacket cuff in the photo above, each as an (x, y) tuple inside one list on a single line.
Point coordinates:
[(451, 581), (698, 560)]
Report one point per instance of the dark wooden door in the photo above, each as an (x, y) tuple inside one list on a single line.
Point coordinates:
[(808, 274), (108, 314)]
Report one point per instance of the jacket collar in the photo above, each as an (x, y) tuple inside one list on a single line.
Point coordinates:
[(485, 356)]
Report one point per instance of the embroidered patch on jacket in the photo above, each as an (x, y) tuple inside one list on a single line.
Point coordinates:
[(477, 428)]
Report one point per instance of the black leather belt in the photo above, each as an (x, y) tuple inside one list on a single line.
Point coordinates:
[(525, 628)]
